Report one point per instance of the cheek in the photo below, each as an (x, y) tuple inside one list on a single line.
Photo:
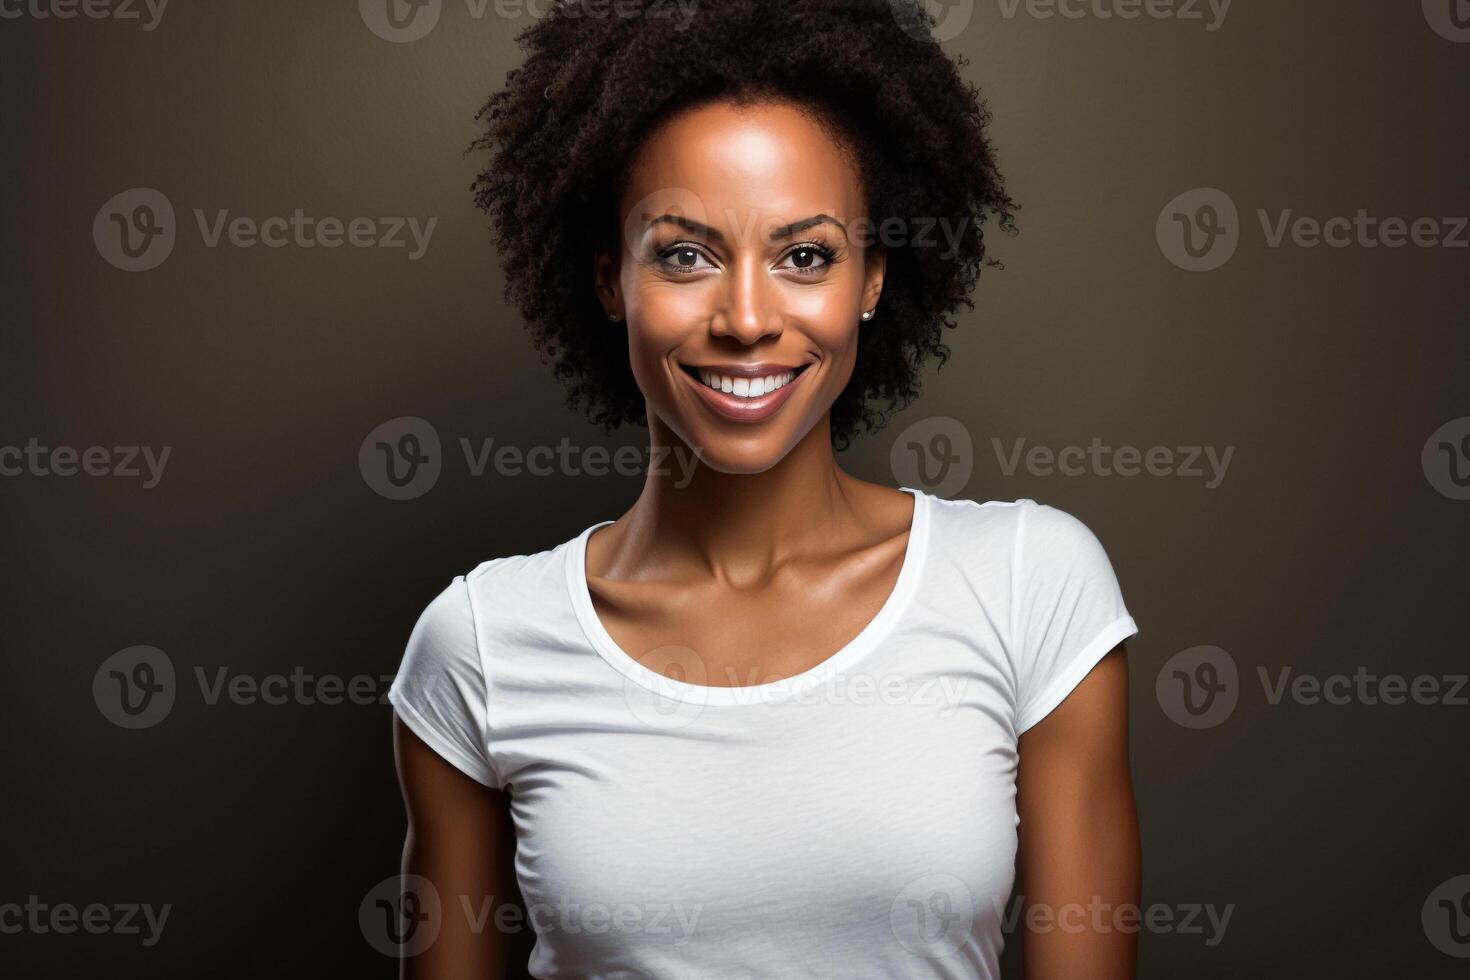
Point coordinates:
[(660, 319), (828, 315), (829, 319), (669, 312)]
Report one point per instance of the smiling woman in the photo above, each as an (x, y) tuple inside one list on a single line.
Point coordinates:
[(773, 720)]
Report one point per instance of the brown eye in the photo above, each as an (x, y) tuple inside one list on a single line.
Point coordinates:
[(683, 260), (808, 260)]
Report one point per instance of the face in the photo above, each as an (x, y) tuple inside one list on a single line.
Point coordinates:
[(742, 278)]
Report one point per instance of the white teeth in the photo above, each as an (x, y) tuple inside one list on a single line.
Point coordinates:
[(746, 387)]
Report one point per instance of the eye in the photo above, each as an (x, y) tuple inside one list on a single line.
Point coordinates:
[(809, 258), (683, 259)]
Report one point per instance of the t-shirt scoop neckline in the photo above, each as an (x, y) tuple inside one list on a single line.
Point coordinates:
[(854, 650)]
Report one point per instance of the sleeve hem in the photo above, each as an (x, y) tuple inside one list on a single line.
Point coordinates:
[(451, 753), (1081, 665)]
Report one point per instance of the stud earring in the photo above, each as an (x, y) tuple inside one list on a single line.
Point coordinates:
[(614, 317), (868, 315)]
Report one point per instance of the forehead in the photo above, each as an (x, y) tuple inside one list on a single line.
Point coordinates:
[(766, 162)]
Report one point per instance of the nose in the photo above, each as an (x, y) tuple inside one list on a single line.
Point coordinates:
[(749, 310)]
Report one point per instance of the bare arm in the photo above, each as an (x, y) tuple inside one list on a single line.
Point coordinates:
[(460, 837), (1079, 849)]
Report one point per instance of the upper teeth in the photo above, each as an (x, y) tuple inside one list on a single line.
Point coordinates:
[(746, 387)]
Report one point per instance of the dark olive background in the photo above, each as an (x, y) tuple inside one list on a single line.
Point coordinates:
[(263, 548)]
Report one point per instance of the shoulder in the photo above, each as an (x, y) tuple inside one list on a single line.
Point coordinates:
[(1025, 536), (1050, 538), (496, 594)]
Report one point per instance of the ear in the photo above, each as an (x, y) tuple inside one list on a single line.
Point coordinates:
[(875, 264), (605, 277)]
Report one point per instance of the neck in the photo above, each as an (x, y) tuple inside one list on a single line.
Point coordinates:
[(737, 525)]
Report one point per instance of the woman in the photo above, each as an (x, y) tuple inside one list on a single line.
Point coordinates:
[(774, 720)]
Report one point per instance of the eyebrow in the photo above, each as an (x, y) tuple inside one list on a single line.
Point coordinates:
[(713, 234), (690, 225), (786, 231)]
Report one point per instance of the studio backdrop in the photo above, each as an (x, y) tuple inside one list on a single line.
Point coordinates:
[(263, 398)]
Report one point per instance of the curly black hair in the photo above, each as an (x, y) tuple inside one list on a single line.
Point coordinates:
[(598, 80)]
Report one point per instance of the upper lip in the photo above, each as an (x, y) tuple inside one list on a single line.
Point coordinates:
[(761, 369)]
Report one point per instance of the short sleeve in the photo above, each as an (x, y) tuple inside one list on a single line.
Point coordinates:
[(1068, 610), (440, 689)]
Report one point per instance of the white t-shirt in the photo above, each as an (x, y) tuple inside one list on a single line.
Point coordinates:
[(855, 820)]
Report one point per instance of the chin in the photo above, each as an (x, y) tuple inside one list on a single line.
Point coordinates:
[(742, 458), (754, 450)]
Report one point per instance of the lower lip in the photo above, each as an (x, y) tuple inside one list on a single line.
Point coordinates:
[(738, 409)]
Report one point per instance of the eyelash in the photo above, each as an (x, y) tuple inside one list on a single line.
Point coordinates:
[(826, 252)]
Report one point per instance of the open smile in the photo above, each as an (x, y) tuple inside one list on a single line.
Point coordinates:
[(744, 392)]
